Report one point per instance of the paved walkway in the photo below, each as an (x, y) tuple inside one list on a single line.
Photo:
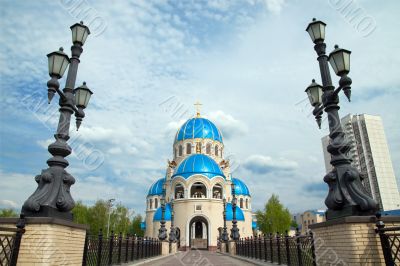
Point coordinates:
[(199, 258)]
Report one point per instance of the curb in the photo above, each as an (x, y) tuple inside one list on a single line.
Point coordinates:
[(255, 262)]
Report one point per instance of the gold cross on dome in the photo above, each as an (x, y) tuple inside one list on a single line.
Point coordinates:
[(198, 106)]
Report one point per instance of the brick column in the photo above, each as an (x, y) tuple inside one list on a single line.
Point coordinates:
[(350, 241), (49, 241)]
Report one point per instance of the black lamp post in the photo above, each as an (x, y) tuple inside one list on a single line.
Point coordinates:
[(235, 230), (172, 233), (346, 195), (52, 197), (162, 232), (224, 235)]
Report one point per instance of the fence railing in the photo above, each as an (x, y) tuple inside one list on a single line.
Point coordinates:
[(10, 241), (281, 249), (116, 249), (390, 241)]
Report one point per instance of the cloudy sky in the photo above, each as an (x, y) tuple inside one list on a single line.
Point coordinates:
[(148, 62)]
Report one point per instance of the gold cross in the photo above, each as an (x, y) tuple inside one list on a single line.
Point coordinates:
[(198, 106)]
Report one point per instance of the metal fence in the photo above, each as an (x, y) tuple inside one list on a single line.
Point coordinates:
[(10, 241), (390, 241), (281, 249), (117, 249)]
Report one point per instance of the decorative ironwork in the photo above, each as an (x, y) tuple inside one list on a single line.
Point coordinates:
[(283, 249), (99, 250), (10, 241), (390, 241)]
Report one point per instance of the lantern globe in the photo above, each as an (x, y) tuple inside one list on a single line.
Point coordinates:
[(58, 63), (314, 93), (82, 96), (316, 30), (79, 33), (339, 59)]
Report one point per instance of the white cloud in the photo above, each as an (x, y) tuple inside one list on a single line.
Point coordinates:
[(275, 6), (261, 164), (229, 126), (8, 204)]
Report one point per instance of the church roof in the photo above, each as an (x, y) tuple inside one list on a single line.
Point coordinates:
[(198, 127), (156, 187), (198, 164), (167, 214), (229, 213), (240, 187)]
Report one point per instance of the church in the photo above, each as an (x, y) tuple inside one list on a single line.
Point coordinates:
[(197, 180)]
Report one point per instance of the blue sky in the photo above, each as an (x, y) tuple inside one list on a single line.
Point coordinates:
[(147, 62)]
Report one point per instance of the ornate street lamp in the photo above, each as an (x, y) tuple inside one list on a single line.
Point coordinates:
[(224, 235), (52, 197), (162, 232), (234, 230), (346, 195), (172, 233)]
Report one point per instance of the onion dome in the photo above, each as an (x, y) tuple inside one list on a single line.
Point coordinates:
[(198, 164), (167, 214), (198, 127), (229, 213), (156, 187), (240, 187), (254, 225)]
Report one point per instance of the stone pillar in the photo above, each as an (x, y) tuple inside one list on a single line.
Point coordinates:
[(49, 241), (223, 247), (174, 248), (164, 248), (350, 240), (232, 247)]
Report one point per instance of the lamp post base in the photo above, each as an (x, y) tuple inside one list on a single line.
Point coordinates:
[(46, 211), (347, 211)]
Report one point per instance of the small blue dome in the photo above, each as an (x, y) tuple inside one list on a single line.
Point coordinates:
[(240, 187), (254, 225), (229, 213), (198, 127), (156, 187), (167, 214), (198, 164)]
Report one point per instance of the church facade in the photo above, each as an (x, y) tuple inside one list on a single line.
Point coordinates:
[(197, 180)]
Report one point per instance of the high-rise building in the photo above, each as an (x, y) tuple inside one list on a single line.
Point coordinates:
[(370, 154)]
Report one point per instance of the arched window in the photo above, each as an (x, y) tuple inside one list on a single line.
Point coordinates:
[(179, 191), (208, 148), (217, 191), (241, 203), (247, 203), (180, 150), (198, 190), (188, 148), (151, 204), (216, 150), (155, 203), (175, 153)]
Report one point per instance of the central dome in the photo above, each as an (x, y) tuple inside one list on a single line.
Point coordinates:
[(198, 164), (198, 127)]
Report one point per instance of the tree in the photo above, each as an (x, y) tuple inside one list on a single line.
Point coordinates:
[(274, 218), (294, 224), (135, 228), (8, 213)]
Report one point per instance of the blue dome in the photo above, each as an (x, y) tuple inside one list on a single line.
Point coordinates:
[(198, 164), (156, 188), (240, 187), (198, 127), (229, 213), (167, 214)]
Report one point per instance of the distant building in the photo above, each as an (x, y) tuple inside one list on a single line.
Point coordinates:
[(370, 155), (309, 217)]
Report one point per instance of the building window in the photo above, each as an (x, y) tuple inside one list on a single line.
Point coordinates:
[(216, 150), (155, 203), (175, 153), (217, 191), (312, 221), (247, 203), (208, 148), (241, 203), (198, 190), (151, 204), (197, 207), (188, 148), (179, 191), (180, 150)]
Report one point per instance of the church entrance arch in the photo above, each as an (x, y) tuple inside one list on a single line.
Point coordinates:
[(198, 233)]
